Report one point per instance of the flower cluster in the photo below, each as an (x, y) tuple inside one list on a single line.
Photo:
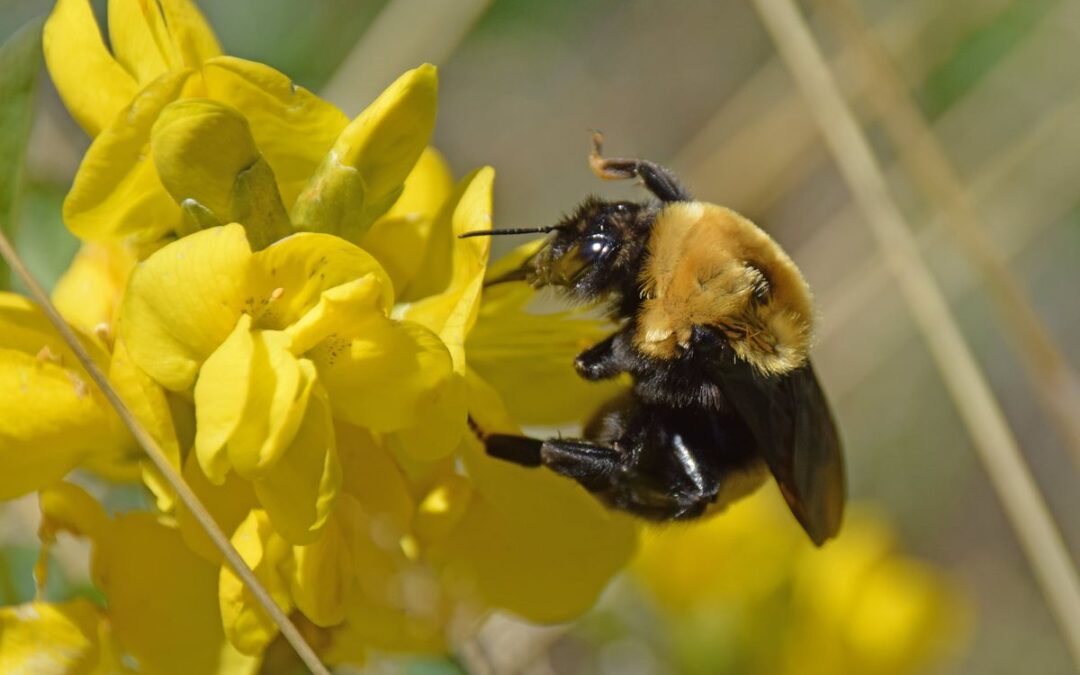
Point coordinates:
[(279, 295), (856, 606)]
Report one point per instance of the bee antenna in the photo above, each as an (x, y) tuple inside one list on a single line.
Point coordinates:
[(509, 230)]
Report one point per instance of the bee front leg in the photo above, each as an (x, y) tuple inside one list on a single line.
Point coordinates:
[(605, 359)]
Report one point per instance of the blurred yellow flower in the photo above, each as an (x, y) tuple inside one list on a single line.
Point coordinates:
[(131, 555), (746, 593)]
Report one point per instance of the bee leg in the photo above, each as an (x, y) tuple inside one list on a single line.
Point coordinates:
[(604, 360), (659, 180)]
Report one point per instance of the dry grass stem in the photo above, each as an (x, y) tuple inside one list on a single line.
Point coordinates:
[(979, 410), (157, 456), (923, 157), (866, 282)]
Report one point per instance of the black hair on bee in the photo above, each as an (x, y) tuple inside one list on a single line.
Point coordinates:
[(715, 323)]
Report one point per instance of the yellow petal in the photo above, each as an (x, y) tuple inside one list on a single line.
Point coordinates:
[(342, 310), (228, 503), (525, 523), (133, 40), (396, 237), (192, 40), (150, 580), (69, 508), (442, 508), (199, 148), (377, 375), (511, 345), (88, 294), (151, 37), (146, 399), (298, 491), (207, 160), (305, 265), (278, 390), (51, 416), (364, 172), (454, 268), (183, 301), (92, 84), (153, 580), (116, 191), (322, 582), (247, 625), (45, 638), (221, 396), (396, 605), (292, 127), (371, 475)]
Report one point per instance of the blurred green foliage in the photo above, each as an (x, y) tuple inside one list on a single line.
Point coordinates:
[(978, 53), (20, 62)]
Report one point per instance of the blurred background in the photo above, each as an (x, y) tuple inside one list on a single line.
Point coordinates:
[(697, 85)]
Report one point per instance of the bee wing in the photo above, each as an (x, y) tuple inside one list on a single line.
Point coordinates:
[(796, 435)]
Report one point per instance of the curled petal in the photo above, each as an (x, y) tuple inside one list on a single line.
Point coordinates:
[(341, 310), (183, 301), (298, 491), (116, 191), (363, 174), (292, 274), (247, 625), (221, 396), (250, 398), (292, 127), (396, 237), (92, 84)]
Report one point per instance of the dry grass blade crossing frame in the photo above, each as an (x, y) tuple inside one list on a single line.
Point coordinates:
[(979, 410), (157, 456), (922, 155)]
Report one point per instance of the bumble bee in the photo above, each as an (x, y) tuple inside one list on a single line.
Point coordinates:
[(714, 328)]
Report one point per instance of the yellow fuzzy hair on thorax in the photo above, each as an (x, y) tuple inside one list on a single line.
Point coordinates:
[(704, 264)]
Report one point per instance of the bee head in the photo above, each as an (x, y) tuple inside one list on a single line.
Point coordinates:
[(593, 249)]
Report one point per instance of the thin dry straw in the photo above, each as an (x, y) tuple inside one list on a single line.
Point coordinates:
[(924, 158), (997, 447), (157, 456)]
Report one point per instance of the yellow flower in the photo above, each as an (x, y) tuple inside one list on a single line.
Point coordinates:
[(52, 418), (131, 555), (162, 52), (308, 339), (39, 637), (855, 606)]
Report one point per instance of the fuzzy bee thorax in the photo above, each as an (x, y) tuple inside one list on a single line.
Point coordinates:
[(709, 266)]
